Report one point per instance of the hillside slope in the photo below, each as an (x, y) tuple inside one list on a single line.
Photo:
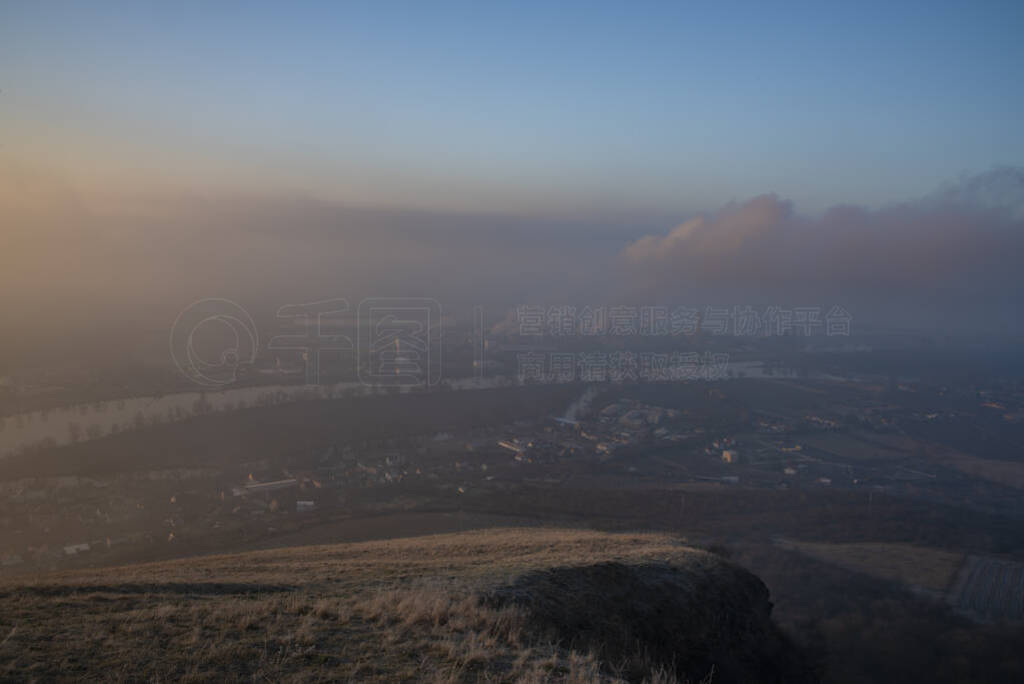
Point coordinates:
[(495, 605)]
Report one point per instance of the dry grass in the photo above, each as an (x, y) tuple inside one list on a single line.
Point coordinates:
[(388, 610), (919, 566), (1009, 473), (467, 639), (398, 610), (467, 554)]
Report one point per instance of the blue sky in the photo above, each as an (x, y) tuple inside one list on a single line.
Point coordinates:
[(649, 107)]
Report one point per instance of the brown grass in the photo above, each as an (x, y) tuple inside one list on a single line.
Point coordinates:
[(1009, 473), (918, 566), (398, 610)]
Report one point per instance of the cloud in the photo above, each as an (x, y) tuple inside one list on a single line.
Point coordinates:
[(1001, 189), (77, 264), (960, 247), (714, 241)]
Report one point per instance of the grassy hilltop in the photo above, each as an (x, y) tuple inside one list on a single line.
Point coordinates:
[(494, 605)]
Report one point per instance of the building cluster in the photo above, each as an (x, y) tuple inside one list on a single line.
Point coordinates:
[(872, 444)]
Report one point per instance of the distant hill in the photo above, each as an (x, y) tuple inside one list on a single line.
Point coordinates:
[(495, 605)]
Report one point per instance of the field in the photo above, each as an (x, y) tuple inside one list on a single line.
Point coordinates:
[(1009, 473), (461, 607), (916, 566), (856, 448), (989, 589), (284, 431), (386, 526)]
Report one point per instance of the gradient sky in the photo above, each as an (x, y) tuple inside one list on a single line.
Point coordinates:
[(658, 107)]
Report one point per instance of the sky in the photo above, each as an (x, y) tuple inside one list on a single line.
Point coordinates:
[(154, 154), (559, 108)]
